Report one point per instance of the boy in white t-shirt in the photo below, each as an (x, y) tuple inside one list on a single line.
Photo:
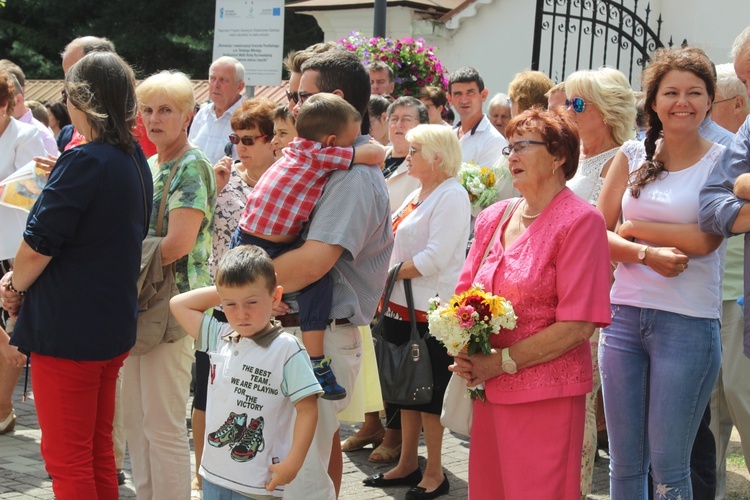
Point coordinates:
[(259, 375)]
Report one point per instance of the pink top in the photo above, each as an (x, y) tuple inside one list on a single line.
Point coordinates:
[(557, 270)]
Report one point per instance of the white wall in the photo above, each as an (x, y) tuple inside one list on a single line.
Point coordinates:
[(498, 39)]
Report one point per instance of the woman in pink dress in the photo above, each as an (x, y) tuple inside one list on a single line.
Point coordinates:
[(549, 257)]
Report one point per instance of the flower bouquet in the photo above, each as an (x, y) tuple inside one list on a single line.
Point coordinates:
[(467, 321), (479, 182), (414, 63)]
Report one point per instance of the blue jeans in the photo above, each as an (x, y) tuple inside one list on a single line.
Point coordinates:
[(658, 369), (214, 492)]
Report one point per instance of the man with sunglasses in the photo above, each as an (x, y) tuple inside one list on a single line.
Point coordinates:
[(350, 235), (211, 127)]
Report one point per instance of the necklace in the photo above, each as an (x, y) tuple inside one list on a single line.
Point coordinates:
[(527, 216)]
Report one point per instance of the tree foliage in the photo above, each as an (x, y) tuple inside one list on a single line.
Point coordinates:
[(151, 36)]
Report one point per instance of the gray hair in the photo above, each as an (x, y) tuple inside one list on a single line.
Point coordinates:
[(741, 43), (499, 99), (410, 102), (729, 86), (239, 69)]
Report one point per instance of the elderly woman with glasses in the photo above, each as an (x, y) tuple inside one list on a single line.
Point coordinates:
[(547, 253), (431, 230), (156, 384)]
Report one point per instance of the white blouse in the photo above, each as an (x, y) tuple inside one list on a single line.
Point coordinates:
[(434, 235)]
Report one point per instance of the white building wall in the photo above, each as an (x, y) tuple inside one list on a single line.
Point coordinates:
[(496, 36)]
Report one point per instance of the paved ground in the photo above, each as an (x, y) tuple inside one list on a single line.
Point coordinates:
[(22, 473)]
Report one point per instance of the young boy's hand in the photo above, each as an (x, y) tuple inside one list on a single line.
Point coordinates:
[(282, 473)]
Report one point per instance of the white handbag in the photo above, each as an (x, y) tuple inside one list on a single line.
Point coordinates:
[(458, 408)]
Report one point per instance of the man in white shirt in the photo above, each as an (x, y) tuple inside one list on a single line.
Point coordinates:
[(480, 141), (211, 126), (23, 114)]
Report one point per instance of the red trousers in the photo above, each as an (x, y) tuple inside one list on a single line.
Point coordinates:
[(75, 404), (527, 451)]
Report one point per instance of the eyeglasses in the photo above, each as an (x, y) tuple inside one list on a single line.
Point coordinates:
[(520, 147), (292, 96), (64, 95), (304, 96), (406, 120), (413, 151), (246, 141), (723, 100), (578, 104)]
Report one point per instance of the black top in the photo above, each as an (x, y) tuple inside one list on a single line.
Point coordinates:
[(89, 218), (391, 164)]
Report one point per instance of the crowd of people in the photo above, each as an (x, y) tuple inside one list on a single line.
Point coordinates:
[(255, 242)]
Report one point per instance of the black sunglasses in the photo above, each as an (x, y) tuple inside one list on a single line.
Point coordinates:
[(247, 141), (292, 96)]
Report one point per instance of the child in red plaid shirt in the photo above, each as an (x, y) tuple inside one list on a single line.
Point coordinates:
[(284, 197)]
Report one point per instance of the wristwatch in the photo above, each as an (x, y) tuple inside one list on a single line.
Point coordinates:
[(642, 254), (508, 366)]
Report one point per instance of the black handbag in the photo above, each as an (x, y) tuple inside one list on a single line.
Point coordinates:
[(405, 370)]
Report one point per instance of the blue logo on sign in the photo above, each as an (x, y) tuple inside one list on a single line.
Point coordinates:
[(221, 13), (276, 11)]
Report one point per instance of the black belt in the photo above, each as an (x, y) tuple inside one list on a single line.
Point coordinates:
[(292, 321)]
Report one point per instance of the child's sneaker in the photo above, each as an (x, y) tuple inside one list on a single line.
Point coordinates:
[(327, 380)]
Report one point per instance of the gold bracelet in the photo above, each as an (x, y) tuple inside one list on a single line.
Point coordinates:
[(13, 289)]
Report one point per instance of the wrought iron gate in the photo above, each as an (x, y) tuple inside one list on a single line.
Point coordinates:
[(579, 34)]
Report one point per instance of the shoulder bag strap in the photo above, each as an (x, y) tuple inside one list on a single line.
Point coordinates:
[(412, 313), (143, 191), (509, 208), (165, 195), (389, 284)]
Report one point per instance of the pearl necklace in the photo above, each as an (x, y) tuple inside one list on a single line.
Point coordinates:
[(527, 216)]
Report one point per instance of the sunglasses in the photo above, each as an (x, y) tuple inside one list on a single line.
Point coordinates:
[(577, 103), (298, 97), (292, 96), (246, 141)]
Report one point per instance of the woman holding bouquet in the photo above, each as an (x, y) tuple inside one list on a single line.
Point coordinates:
[(431, 231), (550, 259)]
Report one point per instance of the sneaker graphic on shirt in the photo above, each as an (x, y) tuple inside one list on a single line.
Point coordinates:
[(251, 442), (230, 431)]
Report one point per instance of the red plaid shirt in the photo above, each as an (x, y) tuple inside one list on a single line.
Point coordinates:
[(285, 195)]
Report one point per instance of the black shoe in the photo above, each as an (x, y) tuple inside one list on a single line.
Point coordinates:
[(417, 493), (378, 481), (120, 478)]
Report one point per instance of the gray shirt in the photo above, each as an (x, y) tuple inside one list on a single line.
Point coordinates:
[(719, 207), (354, 212)]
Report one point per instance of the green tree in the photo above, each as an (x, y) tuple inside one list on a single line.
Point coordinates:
[(151, 36)]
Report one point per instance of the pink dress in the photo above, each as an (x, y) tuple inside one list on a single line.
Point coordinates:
[(557, 270)]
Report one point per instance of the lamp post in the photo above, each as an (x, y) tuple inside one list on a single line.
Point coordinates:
[(379, 24)]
